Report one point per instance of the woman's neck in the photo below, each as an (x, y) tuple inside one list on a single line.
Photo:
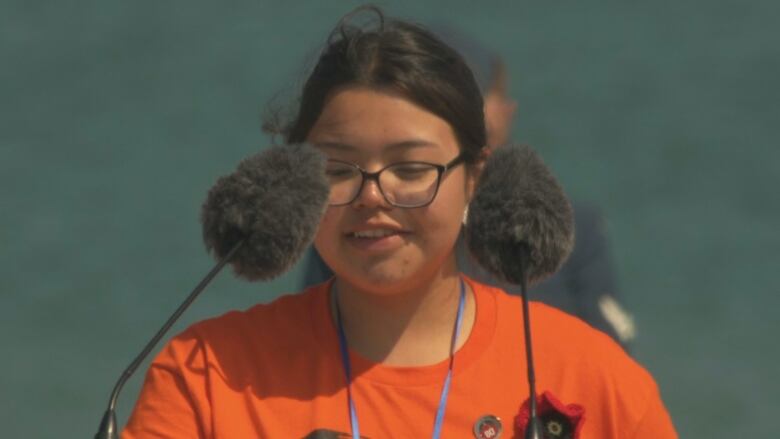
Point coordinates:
[(411, 327)]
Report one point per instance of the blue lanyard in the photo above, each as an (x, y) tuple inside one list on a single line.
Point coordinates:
[(439, 421)]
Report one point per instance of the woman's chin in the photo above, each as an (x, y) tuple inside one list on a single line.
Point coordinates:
[(380, 279)]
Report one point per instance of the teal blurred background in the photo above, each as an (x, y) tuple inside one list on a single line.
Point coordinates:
[(116, 118)]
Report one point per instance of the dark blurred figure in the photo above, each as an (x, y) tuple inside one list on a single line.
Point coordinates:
[(585, 286)]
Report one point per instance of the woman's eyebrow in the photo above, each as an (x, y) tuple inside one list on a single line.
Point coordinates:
[(402, 145), (411, 144), (335, 146)]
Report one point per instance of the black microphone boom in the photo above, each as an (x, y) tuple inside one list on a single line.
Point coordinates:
[(520, 227), (260, 219), (108, 426)]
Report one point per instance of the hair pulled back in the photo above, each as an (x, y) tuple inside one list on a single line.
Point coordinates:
[(398, 57)]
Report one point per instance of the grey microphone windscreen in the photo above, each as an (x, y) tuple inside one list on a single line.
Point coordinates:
[(519, 212), (274, 200)]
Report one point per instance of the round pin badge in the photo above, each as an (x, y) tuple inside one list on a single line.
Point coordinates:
[(488, 427)]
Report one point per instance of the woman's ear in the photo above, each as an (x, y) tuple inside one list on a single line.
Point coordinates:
[(475, 171)]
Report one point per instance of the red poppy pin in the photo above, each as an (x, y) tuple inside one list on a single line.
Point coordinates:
[(559, 421)]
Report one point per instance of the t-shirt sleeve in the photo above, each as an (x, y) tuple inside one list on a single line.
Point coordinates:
[(168, 406), (656, 423)]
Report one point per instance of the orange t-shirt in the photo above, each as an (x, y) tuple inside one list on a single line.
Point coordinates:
[(275, 371)]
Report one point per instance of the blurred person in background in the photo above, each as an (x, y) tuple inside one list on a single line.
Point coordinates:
[(585, 285)]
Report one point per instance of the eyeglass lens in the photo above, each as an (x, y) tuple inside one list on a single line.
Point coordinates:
[(402, 184)]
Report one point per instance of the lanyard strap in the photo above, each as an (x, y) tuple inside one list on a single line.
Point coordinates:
[(439, 420)]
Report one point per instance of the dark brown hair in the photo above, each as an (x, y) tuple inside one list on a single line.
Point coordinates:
[(401, 57)]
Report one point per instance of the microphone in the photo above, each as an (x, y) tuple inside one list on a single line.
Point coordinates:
[(260, 219), (274, 201), (520, 227)]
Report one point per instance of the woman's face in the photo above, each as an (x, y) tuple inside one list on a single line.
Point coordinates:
[(370, 244)]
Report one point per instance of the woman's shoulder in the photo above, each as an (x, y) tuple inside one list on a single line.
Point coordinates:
[(283, 322), (549, 324), (563, 343), (582, 365)]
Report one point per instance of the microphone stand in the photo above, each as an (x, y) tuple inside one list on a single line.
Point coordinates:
[(108, 427), (534, 428)]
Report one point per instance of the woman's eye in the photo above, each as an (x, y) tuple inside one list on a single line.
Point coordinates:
[(411, 172), (339, 174)]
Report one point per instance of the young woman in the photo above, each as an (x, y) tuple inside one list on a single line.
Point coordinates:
[(399, 343), (585, 285)]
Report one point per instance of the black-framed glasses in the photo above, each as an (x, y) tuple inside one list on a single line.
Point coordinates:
[(402, 184)]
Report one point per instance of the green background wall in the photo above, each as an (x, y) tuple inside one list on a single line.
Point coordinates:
[(116, 118)]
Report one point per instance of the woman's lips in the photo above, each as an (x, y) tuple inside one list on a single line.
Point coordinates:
[(376, 239)]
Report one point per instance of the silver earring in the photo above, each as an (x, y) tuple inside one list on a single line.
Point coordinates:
[(465, 215)]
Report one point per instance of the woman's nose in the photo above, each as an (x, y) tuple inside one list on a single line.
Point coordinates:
[(371, 196)]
